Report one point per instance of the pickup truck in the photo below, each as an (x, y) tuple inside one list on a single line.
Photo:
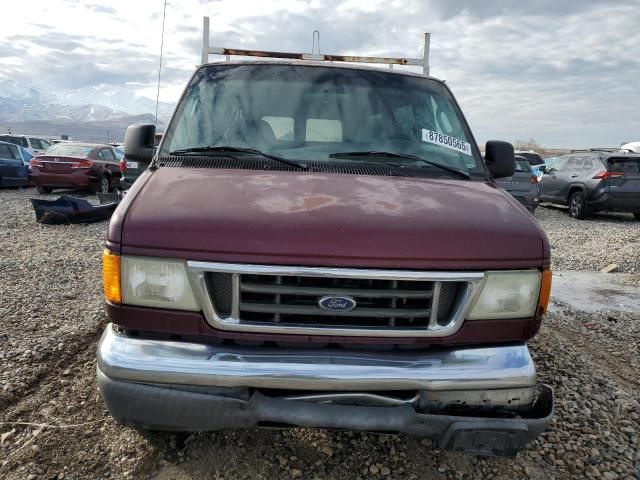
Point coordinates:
[(317, 244)]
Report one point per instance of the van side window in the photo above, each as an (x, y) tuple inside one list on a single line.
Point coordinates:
[(323, 130), (15, 140), (36, 143), (282, 127)]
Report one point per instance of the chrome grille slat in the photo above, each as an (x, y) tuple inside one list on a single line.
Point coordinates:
[(284, 299), (235, 302), (282, 289), (309, 310), (437, 286)]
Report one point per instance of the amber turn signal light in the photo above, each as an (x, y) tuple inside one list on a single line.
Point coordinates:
[(545, 292), (111, 277)]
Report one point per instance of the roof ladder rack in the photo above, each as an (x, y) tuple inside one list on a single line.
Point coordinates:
[(318, 57)]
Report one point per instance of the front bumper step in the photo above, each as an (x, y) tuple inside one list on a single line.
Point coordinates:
[(153, 407)]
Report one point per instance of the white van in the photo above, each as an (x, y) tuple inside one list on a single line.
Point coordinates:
[(632, 146), (35, 145)]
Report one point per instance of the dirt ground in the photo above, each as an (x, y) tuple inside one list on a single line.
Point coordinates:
[(53, 424)]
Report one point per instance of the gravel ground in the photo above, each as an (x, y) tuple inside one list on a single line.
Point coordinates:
[(594, 243), (51, 316)]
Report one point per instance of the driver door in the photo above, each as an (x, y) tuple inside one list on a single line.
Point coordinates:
[(553, 180)]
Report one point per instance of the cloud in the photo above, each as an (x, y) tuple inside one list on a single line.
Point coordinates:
[(486, 9), (101, 9), (564, 72)]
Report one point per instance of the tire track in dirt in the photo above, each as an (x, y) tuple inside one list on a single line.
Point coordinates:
[(613, 366), (48, 372)]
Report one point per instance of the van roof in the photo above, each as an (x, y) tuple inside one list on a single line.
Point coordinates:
[(311, 63)]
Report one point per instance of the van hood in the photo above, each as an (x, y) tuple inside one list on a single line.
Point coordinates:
[(301, 218)]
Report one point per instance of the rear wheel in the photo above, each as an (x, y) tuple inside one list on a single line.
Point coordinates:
[(577, 205), (42, 189), (637, 215), (103, 185)]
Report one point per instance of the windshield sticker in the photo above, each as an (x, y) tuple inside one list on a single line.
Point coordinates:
[(446, 141)]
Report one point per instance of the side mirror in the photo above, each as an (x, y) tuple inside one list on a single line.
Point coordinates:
[(138, 143), (500, 158), (542, 168)]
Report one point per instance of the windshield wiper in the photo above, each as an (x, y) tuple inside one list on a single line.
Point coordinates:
[(406, 156), (229, 151)]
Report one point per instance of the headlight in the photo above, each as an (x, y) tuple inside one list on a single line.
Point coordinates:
[(156, 282), (508, 295)]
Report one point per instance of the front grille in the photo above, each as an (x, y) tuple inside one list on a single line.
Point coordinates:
[(293, 300)]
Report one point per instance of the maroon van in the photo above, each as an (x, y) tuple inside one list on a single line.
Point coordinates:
[(322, 245), (78, 166)]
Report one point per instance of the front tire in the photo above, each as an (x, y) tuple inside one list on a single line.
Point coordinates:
[(42, 189), (578, 205)]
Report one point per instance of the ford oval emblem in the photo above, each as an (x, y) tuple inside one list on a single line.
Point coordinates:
[(332, 303)]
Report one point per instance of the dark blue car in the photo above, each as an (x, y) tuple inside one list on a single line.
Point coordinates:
[(14, 165)]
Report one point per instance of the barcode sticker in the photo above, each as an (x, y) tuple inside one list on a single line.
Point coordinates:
[(446, 141)]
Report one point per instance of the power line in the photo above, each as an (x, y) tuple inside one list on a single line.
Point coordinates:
[(164, 14)]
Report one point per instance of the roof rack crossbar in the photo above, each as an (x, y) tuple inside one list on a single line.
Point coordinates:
[(602, 149), (319, 57)]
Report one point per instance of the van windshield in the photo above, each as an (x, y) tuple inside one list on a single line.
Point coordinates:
[(317, 113)]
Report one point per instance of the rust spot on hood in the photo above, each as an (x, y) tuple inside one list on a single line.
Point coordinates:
[(311, 203)]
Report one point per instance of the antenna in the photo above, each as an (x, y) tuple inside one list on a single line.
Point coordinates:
[(164, 15)]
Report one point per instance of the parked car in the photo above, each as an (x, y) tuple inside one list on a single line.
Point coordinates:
[(79, 166), (595, 181), (26, 155), (324, 246), (538, 169), (534, 159), (631, 147), (119, 153), (26, 160), (33, 144), (523, 184), (13, 171), (131, 169)]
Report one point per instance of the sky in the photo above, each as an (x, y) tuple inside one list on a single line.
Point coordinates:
[(563, 72)]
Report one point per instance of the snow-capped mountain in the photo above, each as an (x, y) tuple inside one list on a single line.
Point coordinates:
[(120, 100), (29, 110), (22, 103), (25, 93)]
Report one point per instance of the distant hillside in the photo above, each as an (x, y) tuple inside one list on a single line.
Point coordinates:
[(100, 132), (25, 109)]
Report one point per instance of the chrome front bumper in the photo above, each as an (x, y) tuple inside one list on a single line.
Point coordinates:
[(491, 371), (176, 385)]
